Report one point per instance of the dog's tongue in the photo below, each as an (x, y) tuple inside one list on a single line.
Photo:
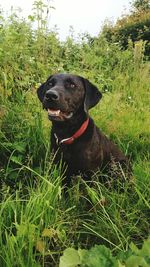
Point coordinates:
[(54, 112)]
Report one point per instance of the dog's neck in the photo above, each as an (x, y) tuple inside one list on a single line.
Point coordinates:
[(68, 128)]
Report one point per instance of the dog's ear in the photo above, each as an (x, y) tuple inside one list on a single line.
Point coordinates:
[(92, 95), (41, 92)]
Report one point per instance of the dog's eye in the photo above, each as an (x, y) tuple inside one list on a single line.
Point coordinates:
[(70, 84), (50, 83)]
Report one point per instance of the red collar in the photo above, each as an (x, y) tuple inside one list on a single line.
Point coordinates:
[(70, 140)]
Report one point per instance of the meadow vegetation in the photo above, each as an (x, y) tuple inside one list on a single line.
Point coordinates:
[(37, 221)]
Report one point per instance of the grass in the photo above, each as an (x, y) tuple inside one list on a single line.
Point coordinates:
[(37, 220)]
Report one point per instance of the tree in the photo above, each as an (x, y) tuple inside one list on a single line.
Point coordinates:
[(134, 26), (141, 5)]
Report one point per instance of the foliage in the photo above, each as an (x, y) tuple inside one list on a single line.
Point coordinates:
[(38, 222), (133, 27), (141, 5), (102, 256)]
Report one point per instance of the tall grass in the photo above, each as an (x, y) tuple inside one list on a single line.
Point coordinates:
[(37, 220)]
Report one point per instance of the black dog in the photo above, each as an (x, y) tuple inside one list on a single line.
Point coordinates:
[(74, 136)]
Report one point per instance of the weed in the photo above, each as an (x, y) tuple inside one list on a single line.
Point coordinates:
[(37, 220)]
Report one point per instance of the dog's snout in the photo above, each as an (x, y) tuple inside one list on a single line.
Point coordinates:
[(52, 95)]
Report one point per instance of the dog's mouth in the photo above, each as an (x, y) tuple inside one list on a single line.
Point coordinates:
[(58, 114)]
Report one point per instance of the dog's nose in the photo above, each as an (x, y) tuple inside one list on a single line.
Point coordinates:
[(52, 95)]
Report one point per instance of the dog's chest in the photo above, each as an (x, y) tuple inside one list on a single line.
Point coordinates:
[(80, 156), (83, 154), (72, 154)]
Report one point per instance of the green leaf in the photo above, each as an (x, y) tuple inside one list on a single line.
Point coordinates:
[(99, 256), (136, 261), (70, 258), (145, 251), (26, 229), (17, 159), (19, 146)]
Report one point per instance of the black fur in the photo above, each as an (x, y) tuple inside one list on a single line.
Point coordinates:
[(75, 95)]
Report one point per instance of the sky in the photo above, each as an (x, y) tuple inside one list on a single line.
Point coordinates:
[(83, 15)]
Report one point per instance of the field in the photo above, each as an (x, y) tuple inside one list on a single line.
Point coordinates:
[(37, 221)]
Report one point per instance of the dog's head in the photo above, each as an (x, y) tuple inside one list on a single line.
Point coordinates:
[(63, 95)]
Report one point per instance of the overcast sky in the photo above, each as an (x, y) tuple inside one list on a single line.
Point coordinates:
[(83, 15)]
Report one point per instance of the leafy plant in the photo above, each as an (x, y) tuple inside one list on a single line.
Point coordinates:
[(101, 256), (38, 221)]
